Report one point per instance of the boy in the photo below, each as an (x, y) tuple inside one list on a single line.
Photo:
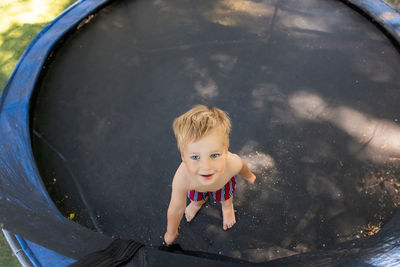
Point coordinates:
[(207, 167)]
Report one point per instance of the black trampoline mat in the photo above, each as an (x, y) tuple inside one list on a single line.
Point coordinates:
[(312, 89)]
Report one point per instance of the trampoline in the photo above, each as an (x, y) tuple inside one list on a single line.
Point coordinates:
[(312, 89)]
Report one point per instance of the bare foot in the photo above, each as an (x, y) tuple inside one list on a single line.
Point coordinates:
[(228, 214), (192, 209)]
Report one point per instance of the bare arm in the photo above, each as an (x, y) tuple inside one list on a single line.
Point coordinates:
[(246, 173), (239, 166), (176, 209)]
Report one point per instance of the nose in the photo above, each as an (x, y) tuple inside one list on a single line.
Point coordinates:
[(206, 164)]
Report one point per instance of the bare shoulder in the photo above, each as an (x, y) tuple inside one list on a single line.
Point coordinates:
[(234, 163), (180, 181), (179, 189)]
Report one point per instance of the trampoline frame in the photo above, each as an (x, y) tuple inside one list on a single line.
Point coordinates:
[(15, 104)]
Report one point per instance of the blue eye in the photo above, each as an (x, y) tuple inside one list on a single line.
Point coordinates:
[(216, 155), (194, 157)]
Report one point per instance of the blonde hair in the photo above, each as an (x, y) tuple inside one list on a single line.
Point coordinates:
[(197, 122)]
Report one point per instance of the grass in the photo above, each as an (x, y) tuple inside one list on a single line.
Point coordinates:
[(395, 3), (20, 22), (7, 259)]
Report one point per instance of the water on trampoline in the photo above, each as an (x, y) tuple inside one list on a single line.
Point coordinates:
[(313, 101)]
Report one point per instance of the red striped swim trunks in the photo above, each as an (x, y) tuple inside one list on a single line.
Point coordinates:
[(221, 195)]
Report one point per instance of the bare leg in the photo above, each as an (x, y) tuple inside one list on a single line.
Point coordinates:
[(228, 213), (193, 208)]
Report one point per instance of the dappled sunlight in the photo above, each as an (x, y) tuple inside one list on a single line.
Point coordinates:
[(243, 14), (12, 45), (316, 177), (375, 139), (304, 149), (237, 7), (381, 137), (259, 162), (263, 166), (206, 88), (34, 11), (204, 85), (307, 106), (266, 92), (259, 17), (255, 9), (305, 19), (304, 23), (389, 15), (20, 22), (225, 62), (267, 96)]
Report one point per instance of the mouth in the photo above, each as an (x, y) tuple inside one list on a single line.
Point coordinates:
[(208, 176)]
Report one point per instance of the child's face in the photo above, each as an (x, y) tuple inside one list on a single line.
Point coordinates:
[(205, 158)]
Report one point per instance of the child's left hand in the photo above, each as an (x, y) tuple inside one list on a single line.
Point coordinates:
[(252, 179)]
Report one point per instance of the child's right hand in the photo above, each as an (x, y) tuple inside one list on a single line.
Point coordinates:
[(169, 238)]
